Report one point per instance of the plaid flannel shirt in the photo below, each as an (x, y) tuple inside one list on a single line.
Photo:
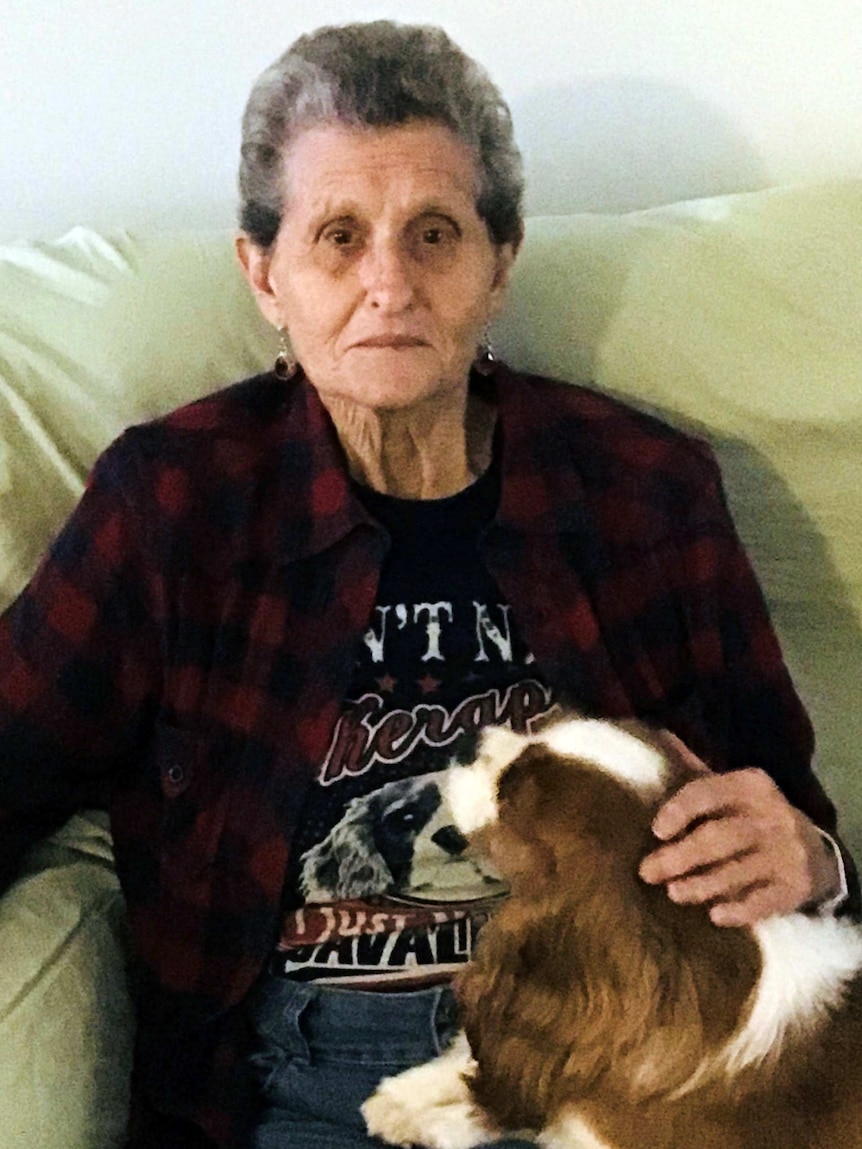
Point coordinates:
[(184, 648)]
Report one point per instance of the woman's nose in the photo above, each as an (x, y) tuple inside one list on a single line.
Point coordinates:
[(388, 277)]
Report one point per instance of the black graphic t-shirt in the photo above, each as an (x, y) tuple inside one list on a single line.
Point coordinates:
[(381, 884)]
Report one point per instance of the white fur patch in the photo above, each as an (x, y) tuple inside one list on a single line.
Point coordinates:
[(431, 1105), (570, 1131), (471, 791), (807, 963), (618, 753)]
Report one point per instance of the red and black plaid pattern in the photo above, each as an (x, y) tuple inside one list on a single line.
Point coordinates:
[(185, 646)]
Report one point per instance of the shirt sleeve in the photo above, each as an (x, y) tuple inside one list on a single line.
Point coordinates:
[(78, 655)]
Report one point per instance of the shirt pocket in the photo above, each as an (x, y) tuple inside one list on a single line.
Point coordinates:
[(193, 785)]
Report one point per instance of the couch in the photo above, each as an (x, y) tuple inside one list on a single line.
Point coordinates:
[(739, 317)]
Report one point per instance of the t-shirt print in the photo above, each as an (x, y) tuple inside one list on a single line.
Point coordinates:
[(388, 886), (381, 884)]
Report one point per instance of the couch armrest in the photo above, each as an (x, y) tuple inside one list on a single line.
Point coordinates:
[(65, 1016)]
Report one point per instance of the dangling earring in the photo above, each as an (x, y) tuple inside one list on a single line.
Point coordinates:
[(285, 360), (485, 361)]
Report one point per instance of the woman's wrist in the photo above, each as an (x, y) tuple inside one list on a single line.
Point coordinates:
[(836, 896)]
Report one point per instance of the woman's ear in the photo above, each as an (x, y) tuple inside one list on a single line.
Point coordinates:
[(254, 261), (505, 259)]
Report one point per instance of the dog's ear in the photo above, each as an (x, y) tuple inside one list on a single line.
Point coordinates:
[(518, 790), (346, 864), (515, 841), (574, 801)]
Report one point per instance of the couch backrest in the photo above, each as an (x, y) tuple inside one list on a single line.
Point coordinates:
[(739, 317)]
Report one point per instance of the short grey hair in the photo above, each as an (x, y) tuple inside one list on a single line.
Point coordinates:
[(378, 74)]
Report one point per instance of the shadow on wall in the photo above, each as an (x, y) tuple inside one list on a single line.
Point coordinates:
[(624, 143)]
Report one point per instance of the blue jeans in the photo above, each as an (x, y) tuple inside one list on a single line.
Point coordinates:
[(319, 1052)]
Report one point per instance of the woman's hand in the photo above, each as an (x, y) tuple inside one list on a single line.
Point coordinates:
[(734, 842)]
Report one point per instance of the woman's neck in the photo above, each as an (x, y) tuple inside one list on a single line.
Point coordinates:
[(428, 451)]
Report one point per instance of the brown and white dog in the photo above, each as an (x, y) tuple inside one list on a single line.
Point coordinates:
[(597, 1013)]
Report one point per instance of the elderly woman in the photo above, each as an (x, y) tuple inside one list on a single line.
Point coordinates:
[(279, 612)]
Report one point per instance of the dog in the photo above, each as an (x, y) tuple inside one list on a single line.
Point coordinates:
[(597, 1013), (399, 839)]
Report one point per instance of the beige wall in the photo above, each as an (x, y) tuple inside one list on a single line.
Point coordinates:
[(115, 113)]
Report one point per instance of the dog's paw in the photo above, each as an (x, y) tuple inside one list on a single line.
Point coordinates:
[(450, 1126), (431, 1106)]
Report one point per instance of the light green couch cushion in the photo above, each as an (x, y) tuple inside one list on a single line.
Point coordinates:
[(96, 332), (65, 1019)]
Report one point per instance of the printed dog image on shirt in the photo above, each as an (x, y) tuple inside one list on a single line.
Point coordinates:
[(399, 839)]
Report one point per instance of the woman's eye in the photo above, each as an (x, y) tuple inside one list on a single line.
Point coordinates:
[(436, 234), (341, 236), (436, 240)]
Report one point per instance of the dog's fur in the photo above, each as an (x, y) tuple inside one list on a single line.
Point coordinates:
[(601, 1015)]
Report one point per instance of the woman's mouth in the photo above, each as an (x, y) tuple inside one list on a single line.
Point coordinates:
[(392, 342)]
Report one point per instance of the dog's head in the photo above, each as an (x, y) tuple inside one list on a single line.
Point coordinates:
[(575, 798)]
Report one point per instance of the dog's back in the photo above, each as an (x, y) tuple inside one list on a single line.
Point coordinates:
[(598, 1008)]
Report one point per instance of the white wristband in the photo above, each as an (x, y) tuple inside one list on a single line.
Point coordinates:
[(830, 905)]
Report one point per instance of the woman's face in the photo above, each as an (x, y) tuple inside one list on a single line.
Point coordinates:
[(382, 270)]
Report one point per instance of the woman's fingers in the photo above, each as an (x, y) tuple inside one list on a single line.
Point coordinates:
[(734, 842)]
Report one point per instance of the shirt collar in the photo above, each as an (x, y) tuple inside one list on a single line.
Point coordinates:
[(318, 507), (541, 490)]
